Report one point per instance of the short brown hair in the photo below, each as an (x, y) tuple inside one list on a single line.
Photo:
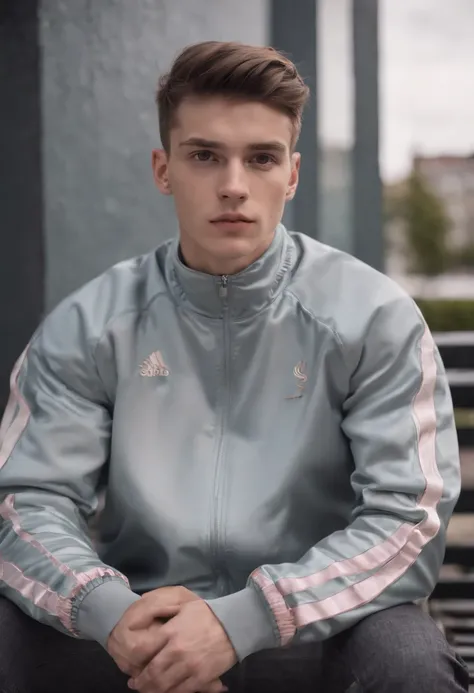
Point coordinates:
[(216, 68)]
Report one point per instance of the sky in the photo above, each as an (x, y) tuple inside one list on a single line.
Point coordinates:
[(426, 79)]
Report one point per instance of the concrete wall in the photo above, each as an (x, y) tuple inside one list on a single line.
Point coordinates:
[(100, 64)]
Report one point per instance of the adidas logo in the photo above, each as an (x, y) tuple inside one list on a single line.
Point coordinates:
[(154, 366)]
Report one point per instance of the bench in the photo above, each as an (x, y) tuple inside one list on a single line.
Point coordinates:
[(452, 601)]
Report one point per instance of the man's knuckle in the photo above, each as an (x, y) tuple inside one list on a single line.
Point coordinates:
[(154, 669), (177, 649), (134, 648), (193, 666)]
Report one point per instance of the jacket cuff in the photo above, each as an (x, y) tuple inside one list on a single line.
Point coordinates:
[(101, 610), (246, 620)]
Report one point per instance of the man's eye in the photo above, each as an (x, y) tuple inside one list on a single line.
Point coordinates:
[(203, 155), (263, 159)]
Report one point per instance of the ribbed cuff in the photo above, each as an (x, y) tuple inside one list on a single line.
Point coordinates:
[(246, 620), (101, 610)]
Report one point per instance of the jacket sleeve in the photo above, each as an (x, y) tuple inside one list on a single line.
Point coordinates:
[(398, 419), (54, 442)]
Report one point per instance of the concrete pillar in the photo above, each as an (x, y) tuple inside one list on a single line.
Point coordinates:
[(336, 123), (367, 187), (21, 245), (293, 30)]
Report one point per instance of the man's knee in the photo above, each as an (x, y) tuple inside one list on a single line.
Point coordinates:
[(402, 649), (424, 669), (406, 669)]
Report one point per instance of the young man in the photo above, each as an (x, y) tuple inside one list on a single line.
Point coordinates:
[(272, 425)]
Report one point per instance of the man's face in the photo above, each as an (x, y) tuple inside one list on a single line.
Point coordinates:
[(230, 170)]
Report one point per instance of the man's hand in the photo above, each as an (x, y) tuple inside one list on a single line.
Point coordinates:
[(133, 642), (193, 651), (152, 604)]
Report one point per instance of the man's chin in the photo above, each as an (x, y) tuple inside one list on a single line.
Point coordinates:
[(231, 248)]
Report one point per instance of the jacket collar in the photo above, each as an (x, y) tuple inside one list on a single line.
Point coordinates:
[(240, 294)]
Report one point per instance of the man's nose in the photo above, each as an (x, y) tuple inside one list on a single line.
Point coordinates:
[(233, 184)]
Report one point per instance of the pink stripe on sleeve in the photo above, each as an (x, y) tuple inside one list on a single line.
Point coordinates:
[(35, 592), (283, 618), (377, 555), (8, 512), (397, 553), (14, 422), (13, 426)]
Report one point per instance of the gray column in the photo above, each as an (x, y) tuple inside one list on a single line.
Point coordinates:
[(335, 123), (293, 30), (21, 225), (367, 189)]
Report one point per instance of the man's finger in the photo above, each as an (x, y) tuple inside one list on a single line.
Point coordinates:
[(148, 612), (132, 661), (171, 679), (176, 593), (165, 661), (215, 687)]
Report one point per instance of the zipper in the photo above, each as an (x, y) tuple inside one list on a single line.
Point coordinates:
[(223, 285), (223, 294)]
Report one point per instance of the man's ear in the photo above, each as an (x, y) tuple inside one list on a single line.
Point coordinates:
[(159, 162), (294, 176)]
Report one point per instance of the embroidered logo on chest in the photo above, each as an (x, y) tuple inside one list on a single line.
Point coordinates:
[(299, 371), (154, 366)]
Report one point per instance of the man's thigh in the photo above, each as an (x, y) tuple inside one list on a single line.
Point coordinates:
[(397, 649), (35, 658), (296, 669), (393, 650)]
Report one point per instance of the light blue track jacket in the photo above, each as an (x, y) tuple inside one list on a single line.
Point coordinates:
[(280, 441)]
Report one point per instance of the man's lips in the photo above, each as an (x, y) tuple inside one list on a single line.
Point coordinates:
[(232, 218)]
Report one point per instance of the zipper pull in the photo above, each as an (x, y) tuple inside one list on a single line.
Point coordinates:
[(223, 286)]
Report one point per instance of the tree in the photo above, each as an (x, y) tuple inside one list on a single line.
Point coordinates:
[(427, 227)]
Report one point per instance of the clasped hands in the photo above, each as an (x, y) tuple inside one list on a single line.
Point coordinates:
[(169, 641)]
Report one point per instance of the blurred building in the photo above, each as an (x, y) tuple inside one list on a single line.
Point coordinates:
[(452, 179)]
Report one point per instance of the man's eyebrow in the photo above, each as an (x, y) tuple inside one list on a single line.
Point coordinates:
[(200, 142), (273, 145)]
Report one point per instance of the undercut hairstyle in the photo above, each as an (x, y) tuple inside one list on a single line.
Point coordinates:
[(235, 71)]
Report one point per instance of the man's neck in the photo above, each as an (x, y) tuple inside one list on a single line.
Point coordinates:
[(197, 259)]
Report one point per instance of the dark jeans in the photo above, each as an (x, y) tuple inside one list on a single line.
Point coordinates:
[(399, 650)]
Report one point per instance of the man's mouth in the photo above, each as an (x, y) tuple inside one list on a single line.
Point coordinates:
[(232, 219)]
